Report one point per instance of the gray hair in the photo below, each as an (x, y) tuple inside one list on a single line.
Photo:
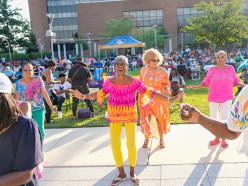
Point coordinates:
[(221, 52), (121, 58)]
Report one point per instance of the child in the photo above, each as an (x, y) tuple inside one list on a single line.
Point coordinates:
[(177, 83), (25, 108)]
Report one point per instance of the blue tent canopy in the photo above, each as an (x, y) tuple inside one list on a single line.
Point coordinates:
[(122, 42)]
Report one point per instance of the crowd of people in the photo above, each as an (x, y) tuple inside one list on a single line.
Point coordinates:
[(161, 83)]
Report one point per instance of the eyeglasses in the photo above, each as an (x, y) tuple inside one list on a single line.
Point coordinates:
[(220, 57), (155, 60), (28, 70), (120, 64)]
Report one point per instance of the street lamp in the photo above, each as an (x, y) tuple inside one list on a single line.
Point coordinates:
[(50, 33), (182, 40), (155, 35), (40, 47), (89, 42), (6, 39)]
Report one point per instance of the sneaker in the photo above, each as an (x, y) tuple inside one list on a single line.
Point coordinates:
[(214, 142), (60, 115), (224, 144)]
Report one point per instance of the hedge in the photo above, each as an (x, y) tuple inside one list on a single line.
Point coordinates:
[(30, 56)]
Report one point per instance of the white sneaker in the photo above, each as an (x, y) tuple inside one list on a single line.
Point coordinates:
[(60, 115)]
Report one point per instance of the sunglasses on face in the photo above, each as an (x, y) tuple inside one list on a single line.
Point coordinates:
[(120, 64), (27, 70), (218, 57), (155, 60)]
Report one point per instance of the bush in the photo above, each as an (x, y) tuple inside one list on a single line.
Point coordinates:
[(30, 56)]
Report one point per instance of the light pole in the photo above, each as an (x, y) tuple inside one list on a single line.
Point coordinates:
[(6, 39), (182, 40), (155, 35), (40, 47), (89, 42), (50, 33)]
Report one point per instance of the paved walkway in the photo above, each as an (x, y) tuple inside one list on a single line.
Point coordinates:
[(83, 157)]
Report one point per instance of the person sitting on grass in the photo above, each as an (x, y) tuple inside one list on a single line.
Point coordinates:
[(177, 82), (121, 91), (236, 123)]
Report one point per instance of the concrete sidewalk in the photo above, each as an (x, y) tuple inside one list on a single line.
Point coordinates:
[(83, 157)]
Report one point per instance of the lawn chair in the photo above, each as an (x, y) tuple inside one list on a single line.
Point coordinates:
[(67, 102)]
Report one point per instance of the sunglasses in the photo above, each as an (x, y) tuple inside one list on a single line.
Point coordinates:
[(155, 60), (220, 56), (28, 70), (120, 64)]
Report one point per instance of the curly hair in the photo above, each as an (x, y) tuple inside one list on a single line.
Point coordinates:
[(151, 54), (221, 52), (121, 58)]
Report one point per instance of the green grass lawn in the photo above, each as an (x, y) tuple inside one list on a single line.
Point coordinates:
[(197, 98)]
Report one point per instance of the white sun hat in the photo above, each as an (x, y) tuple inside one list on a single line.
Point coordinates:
[(5, 84)]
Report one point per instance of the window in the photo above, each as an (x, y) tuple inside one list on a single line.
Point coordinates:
[(61, 9), (145, 18), (96, 1), (61, 3), (65, 20), (183, 15), (65, 27)]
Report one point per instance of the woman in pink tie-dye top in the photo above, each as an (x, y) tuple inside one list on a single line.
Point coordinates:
[(121, 91), (220, 81)]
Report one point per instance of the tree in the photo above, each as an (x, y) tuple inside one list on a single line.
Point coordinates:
[(147, 36), (117, 27), (220, 24), (28, 40), (15, 28)]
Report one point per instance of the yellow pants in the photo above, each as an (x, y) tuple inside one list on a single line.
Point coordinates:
[(115, 138)]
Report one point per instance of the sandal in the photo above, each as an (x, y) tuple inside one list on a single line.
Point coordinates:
[(161, 144), (146, 142), (135, 180), (214, 142), (224, 144), (118, 180)]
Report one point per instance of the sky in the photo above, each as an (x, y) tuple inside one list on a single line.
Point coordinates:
[(22, 4)]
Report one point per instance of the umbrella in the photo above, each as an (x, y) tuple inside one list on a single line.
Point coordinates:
[(242, 66)]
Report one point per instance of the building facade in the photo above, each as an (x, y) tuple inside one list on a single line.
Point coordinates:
[(75, 19)]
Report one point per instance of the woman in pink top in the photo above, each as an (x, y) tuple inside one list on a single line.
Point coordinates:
[(121, 92), (220, 80)]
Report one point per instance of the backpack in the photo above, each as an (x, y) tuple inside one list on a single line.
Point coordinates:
[(83, 113)]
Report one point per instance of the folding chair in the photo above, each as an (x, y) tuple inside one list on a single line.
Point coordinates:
[(67, 102)]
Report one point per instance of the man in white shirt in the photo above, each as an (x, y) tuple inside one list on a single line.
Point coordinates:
[(61, 90), (236, 123)]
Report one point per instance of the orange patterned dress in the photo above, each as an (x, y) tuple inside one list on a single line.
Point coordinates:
[(158, 82)]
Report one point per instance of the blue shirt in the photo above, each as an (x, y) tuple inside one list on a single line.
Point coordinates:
[(21, 148)]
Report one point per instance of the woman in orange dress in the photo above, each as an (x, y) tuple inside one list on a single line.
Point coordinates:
[(156, 78)]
